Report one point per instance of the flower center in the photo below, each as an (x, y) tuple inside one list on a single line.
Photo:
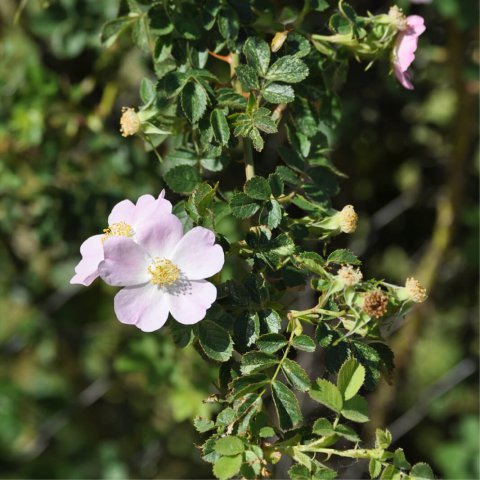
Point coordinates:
[(163, 272), (120, 229)]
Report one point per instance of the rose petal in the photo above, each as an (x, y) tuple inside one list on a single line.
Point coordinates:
[(416, 24), (86, 270), (149, 208), (161, 235), (197, 256), (190, 304), (144, 306), (123, 211), (404, 79), (125, 263)]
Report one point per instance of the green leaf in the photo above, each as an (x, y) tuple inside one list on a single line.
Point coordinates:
[(422, 471), (246, 384), (271, 342), (194, 101), (288, 69), (277, 93), (324, 335), (114, 28), (257, 52), (203, 424), (323, 427), (383, 438), (227, 467), (271, 320), (256, 361), (286, 404), (276, 184), (220, 127), (356, 409), (246, 330), (399, 459), (304, 343), (173, 83), (390, 473), (256, 139), (296, 375), (288, 175), (343, 256), (182, 179), (148, 93), (215, 341), (228, 24), (311, 261), (299, 472), (263, 121), (374, 468), (226, 97), (243, 206), (327, 394), (350, 378), (347, 432), (247, 77), (258, 188), (226, 417), (229, 446), (271, 214)]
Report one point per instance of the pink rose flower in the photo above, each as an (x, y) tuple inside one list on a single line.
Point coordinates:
[(163, 272), (126, 219), (405, 47)]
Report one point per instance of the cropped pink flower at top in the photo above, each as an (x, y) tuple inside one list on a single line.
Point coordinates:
[(163, 272), (126, 219), (405, 47)]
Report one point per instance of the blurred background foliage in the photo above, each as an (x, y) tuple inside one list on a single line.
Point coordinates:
[(82, 396)]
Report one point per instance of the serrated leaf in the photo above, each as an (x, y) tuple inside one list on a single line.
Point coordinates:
[(277, 93), (243, 206), (203, 424), (347, 432), (288, 69), (257, 53), (256, 138), (350, 378), (226, 97), (220, 127), (399, 459), (246, 384), (114, 28), (299, 472), (276, 184), (258, 188), (327, 394), (271, 320), (390, 473), (257, 361), (228, 24), (304, 343), (247, 77), (343, 256), (263, 121), (422, 471), (182, 179), (227, 467), (324, 335), (271, 214), (383, 438), (246, 330), (194, 101), (311, 261), (147, 92), (287, 407), (288, 175), (356, 409), (323, 427), (271, 342), (226, 416), (296, 375), (229, 446), (215, 341), (374, 468), (173, 83)]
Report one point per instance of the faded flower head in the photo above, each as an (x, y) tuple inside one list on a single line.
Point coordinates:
[(375, 304), (404, 50), (125, 220), (348, 219), (129, 122), (415, 291), (398, 18), (349, 276), (162, 271)]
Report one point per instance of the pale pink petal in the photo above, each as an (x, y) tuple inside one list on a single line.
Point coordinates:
[(404, 79), (126, 263), (197, 256), (123, 211), (416, 24), (149, 208), (144, 306), (86, 270), (189, 304), (161, 235)]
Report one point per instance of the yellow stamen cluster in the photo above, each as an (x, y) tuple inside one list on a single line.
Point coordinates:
[(398, 18), (120, 229), (375, 304), (129, 122), (349, 276), (415, 290), (348, 219), (163, 272)]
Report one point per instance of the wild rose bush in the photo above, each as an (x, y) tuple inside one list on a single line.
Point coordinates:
[(230, 80)]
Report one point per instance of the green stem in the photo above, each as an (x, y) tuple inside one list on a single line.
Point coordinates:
[(248, 156)]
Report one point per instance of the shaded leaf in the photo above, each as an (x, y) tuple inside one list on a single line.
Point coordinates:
[(286, 404), (194, 101), (350, 378), (296, 375), (215, 341), (327, 394)]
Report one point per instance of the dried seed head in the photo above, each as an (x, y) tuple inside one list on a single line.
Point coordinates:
[(349, 276), (415, 290), (398, 18), (375, 304), (129, 122), (348, 219)]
